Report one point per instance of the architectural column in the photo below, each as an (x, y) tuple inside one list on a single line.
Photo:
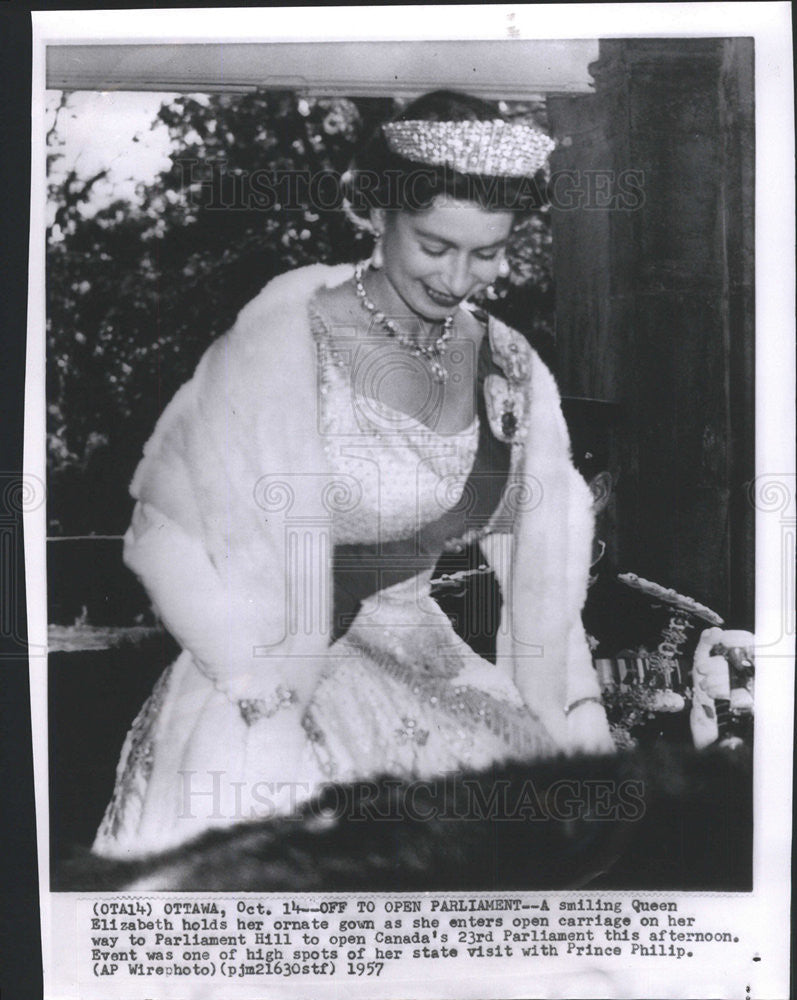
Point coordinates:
[(653, 243)]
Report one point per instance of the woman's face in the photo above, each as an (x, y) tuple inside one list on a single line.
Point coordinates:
[(437, 257)]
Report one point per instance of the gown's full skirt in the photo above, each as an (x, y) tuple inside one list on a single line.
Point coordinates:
[(402, 695)]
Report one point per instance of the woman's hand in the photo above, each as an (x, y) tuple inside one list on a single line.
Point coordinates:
[(588, 729), (287, 767)]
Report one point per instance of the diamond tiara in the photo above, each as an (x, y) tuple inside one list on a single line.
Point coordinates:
[(492, 148)]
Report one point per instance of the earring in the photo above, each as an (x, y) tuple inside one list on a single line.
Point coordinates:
[(377, 257)]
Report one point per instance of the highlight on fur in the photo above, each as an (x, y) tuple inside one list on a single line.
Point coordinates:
[(655, 818)]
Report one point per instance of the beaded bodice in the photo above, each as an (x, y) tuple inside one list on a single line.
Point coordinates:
[(392, 473)]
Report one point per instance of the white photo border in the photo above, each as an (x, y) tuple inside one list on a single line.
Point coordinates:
[(767, 909)]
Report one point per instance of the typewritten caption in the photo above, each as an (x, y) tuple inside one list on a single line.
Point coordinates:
[(154, 938)]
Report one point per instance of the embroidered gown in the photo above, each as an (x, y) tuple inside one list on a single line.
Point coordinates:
[(399, 693)]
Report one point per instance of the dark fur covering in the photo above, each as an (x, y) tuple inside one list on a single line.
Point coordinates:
[(663, 817)]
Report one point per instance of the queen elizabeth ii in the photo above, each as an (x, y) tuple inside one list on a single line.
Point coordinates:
[(298, 490)]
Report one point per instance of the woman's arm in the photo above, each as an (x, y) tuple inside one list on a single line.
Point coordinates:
[(546, 567), (230, 533), (236, 639)]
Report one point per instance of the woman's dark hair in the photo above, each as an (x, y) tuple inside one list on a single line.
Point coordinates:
[(380, 178)]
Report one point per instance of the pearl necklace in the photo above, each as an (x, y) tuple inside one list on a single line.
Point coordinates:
[(432, 353)]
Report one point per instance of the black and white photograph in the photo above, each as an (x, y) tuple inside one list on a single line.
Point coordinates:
[(413, 492)]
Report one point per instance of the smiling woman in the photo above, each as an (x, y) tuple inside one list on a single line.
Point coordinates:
[(443, 254), (297, 492)]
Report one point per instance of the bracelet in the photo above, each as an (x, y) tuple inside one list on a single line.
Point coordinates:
[(254, 709), (582, 701)]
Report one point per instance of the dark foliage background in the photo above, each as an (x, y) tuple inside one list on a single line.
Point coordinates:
[(137, 290)]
